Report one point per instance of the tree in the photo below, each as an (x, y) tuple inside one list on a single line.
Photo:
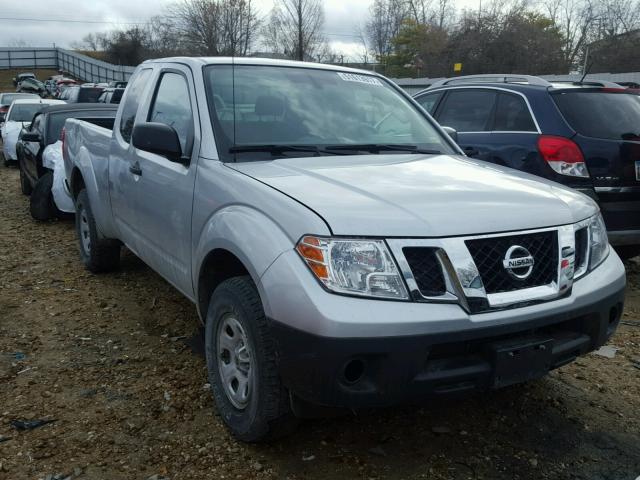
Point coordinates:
[(295, 28), (216, 27)]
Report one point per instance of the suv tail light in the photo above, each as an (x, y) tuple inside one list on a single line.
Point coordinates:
[(563, 155)]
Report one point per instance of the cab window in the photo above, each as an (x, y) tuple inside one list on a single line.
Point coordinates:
[(172, 106), (130, 107)]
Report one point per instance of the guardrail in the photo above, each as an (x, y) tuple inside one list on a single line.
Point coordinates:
[(75, 64)]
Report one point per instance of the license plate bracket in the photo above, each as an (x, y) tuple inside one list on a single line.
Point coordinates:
[(519, 360)]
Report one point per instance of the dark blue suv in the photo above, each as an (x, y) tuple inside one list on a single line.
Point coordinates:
[(585, 135)]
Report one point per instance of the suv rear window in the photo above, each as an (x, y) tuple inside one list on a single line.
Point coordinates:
[(599, 114)]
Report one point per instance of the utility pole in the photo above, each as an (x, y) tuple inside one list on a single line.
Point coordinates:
[(300, 32)]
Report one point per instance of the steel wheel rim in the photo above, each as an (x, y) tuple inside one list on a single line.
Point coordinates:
[(234, 358), (85, 238)]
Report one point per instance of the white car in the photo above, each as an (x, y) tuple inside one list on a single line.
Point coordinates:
[(20, 114)]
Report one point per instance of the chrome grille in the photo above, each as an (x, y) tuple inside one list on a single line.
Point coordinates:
[(426, 270), (489, 253)]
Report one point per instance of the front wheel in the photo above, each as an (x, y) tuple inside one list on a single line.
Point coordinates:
[(241, 360), (97, 254)]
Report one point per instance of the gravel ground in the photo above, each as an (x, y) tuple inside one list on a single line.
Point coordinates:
[(109, 359)]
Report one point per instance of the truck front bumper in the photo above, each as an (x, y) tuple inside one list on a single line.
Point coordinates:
[(349, 352)]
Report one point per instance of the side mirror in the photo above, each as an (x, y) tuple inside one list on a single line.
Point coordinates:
[(31, 137), (158, 138), (452, 133)]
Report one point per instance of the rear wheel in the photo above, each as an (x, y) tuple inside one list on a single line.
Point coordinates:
[(627, 252), (25, 186), (41, 204), (241, 359), (97, 254)]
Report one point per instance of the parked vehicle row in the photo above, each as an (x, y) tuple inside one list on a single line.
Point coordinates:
[(41, 166), (339, 247), (20, 113), (585, 135)]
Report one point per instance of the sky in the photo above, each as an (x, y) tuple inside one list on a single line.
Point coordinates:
[(34, 23)]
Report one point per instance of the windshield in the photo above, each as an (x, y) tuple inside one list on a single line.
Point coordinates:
[(24, 112), (275, 106), (599, 114)]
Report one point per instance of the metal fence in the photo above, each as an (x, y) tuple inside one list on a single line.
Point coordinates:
[(72, 63), (89, 69), (28, 58)]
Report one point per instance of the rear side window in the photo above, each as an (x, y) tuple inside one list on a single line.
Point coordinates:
[(89, 95), (172, 106), (512, 114), (614, 116), (130, 107), (468, 110), (429, 101)]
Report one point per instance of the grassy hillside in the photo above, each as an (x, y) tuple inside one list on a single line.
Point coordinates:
[(6, 85)]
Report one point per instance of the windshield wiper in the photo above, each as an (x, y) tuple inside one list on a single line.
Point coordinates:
[(382, 147), (282, 149)]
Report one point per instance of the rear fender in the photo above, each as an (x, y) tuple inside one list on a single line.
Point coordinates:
[(93, 173)]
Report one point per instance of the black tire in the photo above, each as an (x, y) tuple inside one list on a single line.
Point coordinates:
[(25, 186), (98, 255), (267, 414), (627, 252), (41, 204)]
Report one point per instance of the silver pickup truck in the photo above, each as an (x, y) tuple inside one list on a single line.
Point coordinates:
[(339, 247)]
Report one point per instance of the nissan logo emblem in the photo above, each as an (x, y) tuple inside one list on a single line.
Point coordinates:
[(518, 262)]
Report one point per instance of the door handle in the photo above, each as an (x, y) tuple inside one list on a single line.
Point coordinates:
[(135, 169), (470, 151)]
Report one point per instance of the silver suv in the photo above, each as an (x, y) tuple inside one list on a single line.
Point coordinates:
[(340, 248)]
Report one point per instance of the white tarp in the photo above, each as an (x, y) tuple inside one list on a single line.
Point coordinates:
[(52, 158), (10, 134)]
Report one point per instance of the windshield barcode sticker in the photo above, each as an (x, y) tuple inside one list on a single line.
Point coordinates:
[(353, 77)]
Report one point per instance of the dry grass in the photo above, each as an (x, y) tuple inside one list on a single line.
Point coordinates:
[(6, 76)]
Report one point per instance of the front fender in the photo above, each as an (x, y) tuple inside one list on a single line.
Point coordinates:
[(251, 236)]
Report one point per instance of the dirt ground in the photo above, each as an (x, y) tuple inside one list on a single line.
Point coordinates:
[(108, 358)]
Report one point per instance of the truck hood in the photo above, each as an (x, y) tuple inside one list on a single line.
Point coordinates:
[(423, 196)]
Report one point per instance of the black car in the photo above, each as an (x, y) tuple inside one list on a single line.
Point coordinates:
[(585, 135), (45, 129), (111, 95), (81, 94)]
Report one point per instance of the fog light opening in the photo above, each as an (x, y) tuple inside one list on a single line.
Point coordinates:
[(353, 371), (613, 315)]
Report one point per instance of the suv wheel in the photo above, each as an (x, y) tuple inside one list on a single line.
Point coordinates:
[(41, 204), (241, 360), (98, 255)]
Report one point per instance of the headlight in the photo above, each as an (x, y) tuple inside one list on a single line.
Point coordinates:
[(356, 267), (598, 241)]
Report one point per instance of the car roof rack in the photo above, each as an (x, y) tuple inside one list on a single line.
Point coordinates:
[(494, 78), (589, 83)]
